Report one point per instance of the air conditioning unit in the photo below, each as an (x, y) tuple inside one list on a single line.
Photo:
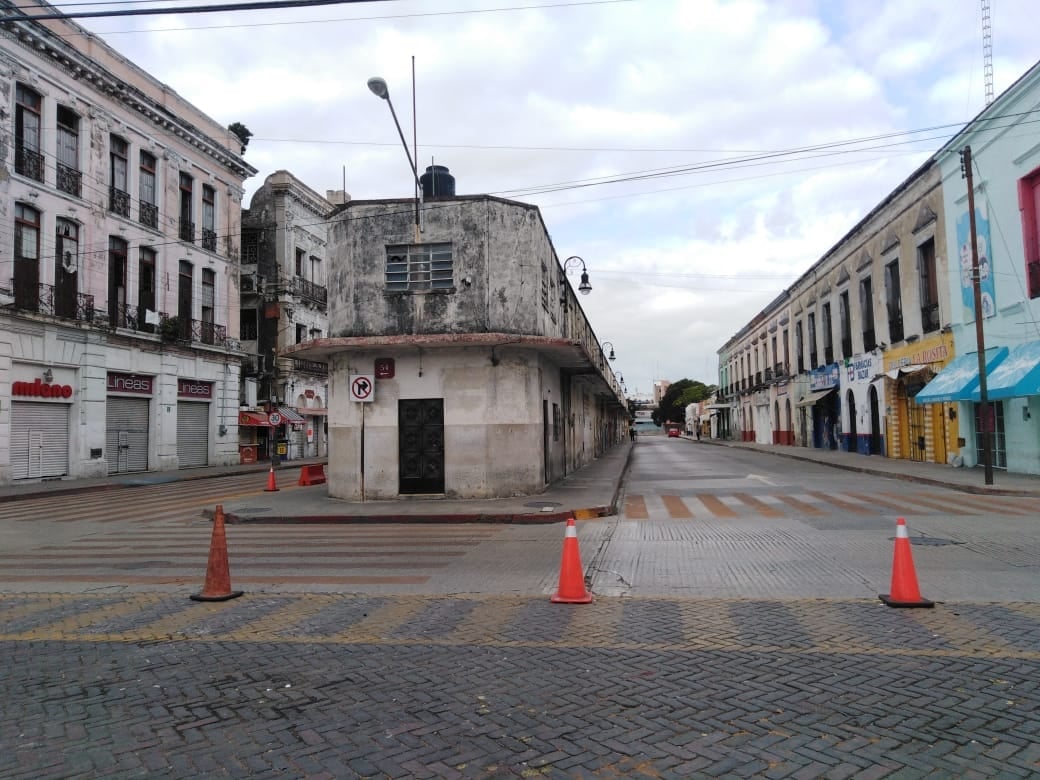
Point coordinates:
[(248, 283)]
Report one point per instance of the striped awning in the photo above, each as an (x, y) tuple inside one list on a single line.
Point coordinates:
[(291, 415)]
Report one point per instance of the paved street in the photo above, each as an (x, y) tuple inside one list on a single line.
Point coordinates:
[(736, 632)]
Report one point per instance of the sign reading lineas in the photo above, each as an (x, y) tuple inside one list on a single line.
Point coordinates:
[(362, 388)]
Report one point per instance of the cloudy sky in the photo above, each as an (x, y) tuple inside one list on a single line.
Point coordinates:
[(699, 155)]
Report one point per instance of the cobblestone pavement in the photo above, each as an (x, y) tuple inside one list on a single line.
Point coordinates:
[(156, 685)]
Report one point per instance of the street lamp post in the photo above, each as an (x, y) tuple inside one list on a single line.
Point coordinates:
[(381, 90), (584, 287), (606, 344)]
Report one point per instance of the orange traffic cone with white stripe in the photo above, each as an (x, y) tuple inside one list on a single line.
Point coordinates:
[(271, 486), (218, 576), (905, 592), (572, 576)]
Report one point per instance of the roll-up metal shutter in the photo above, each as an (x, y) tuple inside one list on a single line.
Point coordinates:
[(126, 434), (192, 434), (39, 440)]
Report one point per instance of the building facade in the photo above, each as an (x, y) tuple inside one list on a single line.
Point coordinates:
[(461, 364), (118, 283), (285, 258), (1005, 166)]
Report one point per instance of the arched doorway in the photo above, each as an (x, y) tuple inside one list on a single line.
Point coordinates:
[(852, 443), (875, 422)]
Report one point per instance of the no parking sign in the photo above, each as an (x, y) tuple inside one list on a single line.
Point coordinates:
[(362, 388)]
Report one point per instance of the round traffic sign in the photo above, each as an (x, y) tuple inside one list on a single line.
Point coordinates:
[(361, 388), (275, 418)]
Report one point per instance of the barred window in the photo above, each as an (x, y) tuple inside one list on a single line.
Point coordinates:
[(419, 267)]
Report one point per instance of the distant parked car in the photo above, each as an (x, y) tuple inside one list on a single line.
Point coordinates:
[(673, 433), (673, 430)]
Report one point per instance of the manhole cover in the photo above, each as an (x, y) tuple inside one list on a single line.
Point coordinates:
[(543, 504), (932, 541)]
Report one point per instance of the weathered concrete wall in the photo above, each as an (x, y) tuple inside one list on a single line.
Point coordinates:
[(492, 421)]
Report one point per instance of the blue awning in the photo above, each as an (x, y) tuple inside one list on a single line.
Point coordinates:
[(1017, 376), (960, 377)]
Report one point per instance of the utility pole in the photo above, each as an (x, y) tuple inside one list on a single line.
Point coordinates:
[(980, 340)]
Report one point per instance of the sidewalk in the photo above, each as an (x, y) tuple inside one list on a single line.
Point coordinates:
[(592, 491)]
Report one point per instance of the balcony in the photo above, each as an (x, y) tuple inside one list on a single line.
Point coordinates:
[(119, 202), (125, 315), (310, 367), (28, 162), (930, 317), (69, 180), (758, 378), (769, 375), (779, 371), (149, 215), (194, 331), (46, 299), (209, 239), (186, 231), (869, 340), (310, 291)]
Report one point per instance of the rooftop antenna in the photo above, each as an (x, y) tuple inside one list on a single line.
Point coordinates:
[(987, 50)]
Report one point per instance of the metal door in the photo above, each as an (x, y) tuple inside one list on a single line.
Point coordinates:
[(915, 414), (126, 434), (421, 445), (995, 425), (192, 434), (39, 440)]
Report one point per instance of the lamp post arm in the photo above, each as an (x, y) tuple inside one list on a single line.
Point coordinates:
[(404, 143)]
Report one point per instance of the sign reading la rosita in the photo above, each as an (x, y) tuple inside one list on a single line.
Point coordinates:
[(129, 383), (191, 388)]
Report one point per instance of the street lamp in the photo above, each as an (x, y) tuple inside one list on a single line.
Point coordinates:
[(605, 345), (584, 288), (381, 90)]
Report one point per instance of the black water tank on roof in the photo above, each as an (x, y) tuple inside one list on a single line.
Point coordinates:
[(437, 182)]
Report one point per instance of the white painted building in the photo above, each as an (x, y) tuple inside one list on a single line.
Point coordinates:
[(118, 279)]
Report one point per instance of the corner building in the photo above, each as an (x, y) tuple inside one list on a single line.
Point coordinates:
[(118, 276)]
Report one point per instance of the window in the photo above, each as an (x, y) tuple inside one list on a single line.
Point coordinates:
[(1029, 205), (545, 286), (28, 161), (828, 335), (250, 247), (787, 352), (812, 341), (118, 195), (799, 347), (893, 302), (116, 282), (866, 305), (208, 297), (209, 218), (301, 257), (186, 227), (66, 264), (317, 276), (845, 317), (301, 333), (419, 267), (929, 286), (247, 324), (26, 257), (557, 422), (145, 287), (68, 152), (185, 301), (149, 211)]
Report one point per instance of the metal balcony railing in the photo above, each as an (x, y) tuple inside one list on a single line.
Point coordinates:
[(69, 179), (119, 202), (195, 331), (769, 375), (28, 162), (46, 299), (209, 239), (125, 315), (310, 290), (148, 215), (895, 329), (930, 317), (186, 231)]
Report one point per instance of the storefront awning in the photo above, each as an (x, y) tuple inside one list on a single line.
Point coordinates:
[(1016, 376), (811, 398), (911, 369), (960, 378), (253, 420), (290, 415)]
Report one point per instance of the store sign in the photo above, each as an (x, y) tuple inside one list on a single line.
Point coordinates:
[(41, 389), (189, 388), (129, 383)]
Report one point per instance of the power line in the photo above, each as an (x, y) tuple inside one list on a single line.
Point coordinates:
[(249, 5)]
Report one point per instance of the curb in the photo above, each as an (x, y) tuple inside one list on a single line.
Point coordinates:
[(508, 518)]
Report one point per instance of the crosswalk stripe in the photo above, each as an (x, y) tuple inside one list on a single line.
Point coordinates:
[(762, 507), (801, 506), (716, 506), (635, 508), (942, 506), (830, 498), (984, 504), (677, 509)]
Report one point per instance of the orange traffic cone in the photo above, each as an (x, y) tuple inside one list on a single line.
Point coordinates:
[(905, 592), (572, 577), (271, 486), (218, 577)]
